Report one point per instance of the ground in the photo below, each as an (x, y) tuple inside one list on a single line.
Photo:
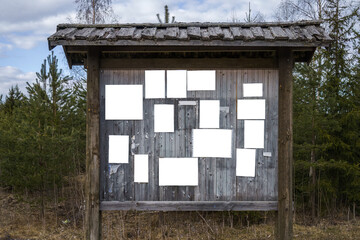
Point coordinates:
[(20, 219)]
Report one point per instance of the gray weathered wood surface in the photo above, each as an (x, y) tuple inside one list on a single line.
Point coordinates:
[(217, 177), (93, 160), (190, 206)]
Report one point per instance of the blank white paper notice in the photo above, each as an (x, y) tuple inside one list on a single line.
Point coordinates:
[(123, 102), (141, 168), (212, 143), (163, 118), (245, 162), (209, 113), (178, 171), (155, 84), (251, 109), (201, 80), (254, 134), (118, 149), (176, 84), (252, 89)]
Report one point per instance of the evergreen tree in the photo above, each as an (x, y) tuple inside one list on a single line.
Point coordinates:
[(42, 141), (166, 16)]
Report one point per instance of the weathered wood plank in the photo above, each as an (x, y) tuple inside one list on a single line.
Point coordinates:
[(63, 33), (137, 34), (257, 32), (183, 34), (148, 33), (99, 33), (194, 32), (125, 33), (307, 35), (83, 33), (92, 213), (227, 35), (172, 33), (290, 34), (248, 35), (279, 33), (205, 34), (215, 32), (191, 63), (267, 34), (236, 33), (160, 34), (285, 146), (191, 206)]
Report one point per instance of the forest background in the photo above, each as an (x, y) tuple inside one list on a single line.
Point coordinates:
[(42, 130)]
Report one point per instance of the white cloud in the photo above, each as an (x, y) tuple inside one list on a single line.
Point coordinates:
[(191, 10), (22, 11), (10, 76), (25, 23), (4, 47)]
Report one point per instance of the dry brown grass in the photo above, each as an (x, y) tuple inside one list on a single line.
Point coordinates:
[(21, 220)]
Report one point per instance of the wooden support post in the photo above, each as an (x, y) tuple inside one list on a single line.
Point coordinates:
[(92, 211), (284, 226)]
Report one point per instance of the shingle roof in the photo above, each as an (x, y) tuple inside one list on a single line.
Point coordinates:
[(291, 34)]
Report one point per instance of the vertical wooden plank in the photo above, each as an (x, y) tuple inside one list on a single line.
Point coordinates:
[(119, 128), (285, 141), (222, 77), (112, 170), (140, 189), (272, 78), (92, 214), (231, 164), (102, 142)]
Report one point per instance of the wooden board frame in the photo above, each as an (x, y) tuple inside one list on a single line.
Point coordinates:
[(284, 203)]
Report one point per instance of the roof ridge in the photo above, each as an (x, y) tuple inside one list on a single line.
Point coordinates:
[(193, 24)]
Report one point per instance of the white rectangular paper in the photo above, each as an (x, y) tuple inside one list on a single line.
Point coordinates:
[(176, 84), (118, 149), (252, 89), (245, 162), (212, 143), (254, 134), (201, 80), (163, 118), (267, 154), (251, 109), (178, 172), (123, 102), (209, 113), (141, 168), (155, 84), (187, 103)]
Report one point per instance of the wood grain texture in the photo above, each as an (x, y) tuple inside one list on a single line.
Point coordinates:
[(190, 206), (217, 176), (284, 227), (92, 201)]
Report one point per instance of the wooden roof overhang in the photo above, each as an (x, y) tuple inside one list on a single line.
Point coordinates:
[(183, 44)]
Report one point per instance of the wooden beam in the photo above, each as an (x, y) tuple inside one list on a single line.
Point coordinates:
[(155, 48), (284, 226), (92, 210), (191, 43), (190, 205), (188, 63)]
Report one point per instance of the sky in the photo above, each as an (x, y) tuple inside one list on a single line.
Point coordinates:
[(25, 26)]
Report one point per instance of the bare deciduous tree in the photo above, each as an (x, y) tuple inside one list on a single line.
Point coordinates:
[(94, 11), (257, 17)]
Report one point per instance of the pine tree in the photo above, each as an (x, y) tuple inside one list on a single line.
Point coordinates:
[(166, 16)]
